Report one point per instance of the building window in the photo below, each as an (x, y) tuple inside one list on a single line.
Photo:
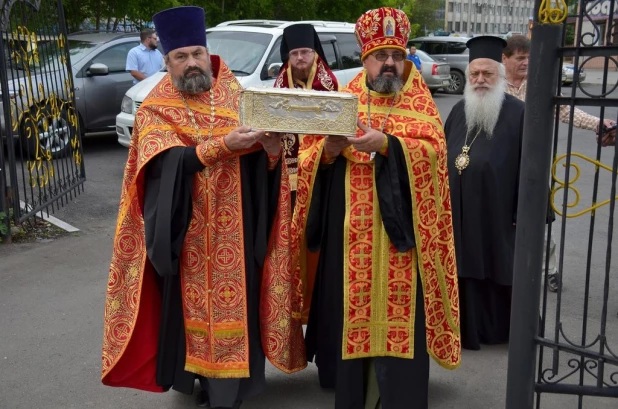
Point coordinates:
[(458, 7), (457, 27), (499, 10), (450, 6), (601, 40), (465, 8), (465, 26), (478, 27), (450, 26)]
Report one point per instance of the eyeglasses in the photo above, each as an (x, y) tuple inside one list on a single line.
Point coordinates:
[(301, 53), (382, 56)]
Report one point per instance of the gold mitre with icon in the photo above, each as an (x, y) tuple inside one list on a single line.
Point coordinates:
[(385, 27), (299, 111)]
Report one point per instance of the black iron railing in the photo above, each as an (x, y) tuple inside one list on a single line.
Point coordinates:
[(44, 166)]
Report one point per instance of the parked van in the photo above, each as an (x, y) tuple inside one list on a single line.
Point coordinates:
[(250, 48)]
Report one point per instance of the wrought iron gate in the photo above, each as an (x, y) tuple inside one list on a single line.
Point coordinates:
[(43, 167), (574, 331)]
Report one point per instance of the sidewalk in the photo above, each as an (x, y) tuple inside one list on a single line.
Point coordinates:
[(52, 297)]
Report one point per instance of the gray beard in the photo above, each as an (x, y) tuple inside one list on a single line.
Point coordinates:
[(482, 111), (195, 84), (386, 85)]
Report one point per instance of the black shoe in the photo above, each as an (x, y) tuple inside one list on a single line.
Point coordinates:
[(202, 400)]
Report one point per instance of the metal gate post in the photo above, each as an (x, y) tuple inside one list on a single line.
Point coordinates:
[(4, 209), (531, 214)]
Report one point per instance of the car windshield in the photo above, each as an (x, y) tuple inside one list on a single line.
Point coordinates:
[(241, 51), (44, 56), (79, 49)]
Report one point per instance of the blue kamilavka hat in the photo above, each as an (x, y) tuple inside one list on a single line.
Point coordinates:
[(180, 27)]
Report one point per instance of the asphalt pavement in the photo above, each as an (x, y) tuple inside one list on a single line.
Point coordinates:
[(52, 298)]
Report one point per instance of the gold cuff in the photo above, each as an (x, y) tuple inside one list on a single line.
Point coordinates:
[(212, 151)]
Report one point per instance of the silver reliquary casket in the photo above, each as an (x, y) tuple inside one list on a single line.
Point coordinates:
[(299, 111)]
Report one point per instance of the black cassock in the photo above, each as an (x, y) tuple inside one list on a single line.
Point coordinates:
[(167, 214), (484, 201), (402, 383)]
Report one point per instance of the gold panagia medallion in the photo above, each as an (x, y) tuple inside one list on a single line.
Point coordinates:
[(463, 159)]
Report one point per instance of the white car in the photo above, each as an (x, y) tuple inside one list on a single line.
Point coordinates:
[(251, 49)]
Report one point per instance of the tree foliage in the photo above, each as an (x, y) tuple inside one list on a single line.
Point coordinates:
[(135, 14)]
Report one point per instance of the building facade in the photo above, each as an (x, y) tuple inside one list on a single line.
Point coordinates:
[(475, 17), (598, 29)]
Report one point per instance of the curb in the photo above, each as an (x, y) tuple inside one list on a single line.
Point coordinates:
[(53, 220)]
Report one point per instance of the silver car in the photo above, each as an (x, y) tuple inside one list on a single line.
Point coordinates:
[(568, 73), (451, 50), (436, 74), (98, 62)]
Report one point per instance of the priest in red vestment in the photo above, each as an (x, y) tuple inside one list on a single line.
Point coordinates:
[(378, 208), (304, 67), (198, 286)]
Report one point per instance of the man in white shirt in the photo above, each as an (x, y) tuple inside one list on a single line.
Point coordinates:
[(144, 60)]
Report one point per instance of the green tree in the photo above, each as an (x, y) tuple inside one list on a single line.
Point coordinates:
[(75, 12), (423, 14), (110, 14)]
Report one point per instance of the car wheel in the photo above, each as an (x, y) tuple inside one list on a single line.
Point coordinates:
[(458, 83), (433, 91), (46, 130)]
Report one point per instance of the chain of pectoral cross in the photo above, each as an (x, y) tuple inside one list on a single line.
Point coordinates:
[(369, 111)]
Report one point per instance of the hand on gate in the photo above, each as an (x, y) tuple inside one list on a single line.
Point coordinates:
[(608, 134)]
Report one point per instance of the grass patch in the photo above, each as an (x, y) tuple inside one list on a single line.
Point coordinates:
[(34, 229)]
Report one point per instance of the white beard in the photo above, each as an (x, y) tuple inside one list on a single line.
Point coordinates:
[(483, 109)]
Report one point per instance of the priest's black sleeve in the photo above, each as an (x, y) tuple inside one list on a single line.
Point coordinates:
[(316, 219), (167, 206), (394, 195), (167, 214)]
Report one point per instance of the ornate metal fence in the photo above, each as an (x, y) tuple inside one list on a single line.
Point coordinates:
[(574, 331), (43, 167)]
